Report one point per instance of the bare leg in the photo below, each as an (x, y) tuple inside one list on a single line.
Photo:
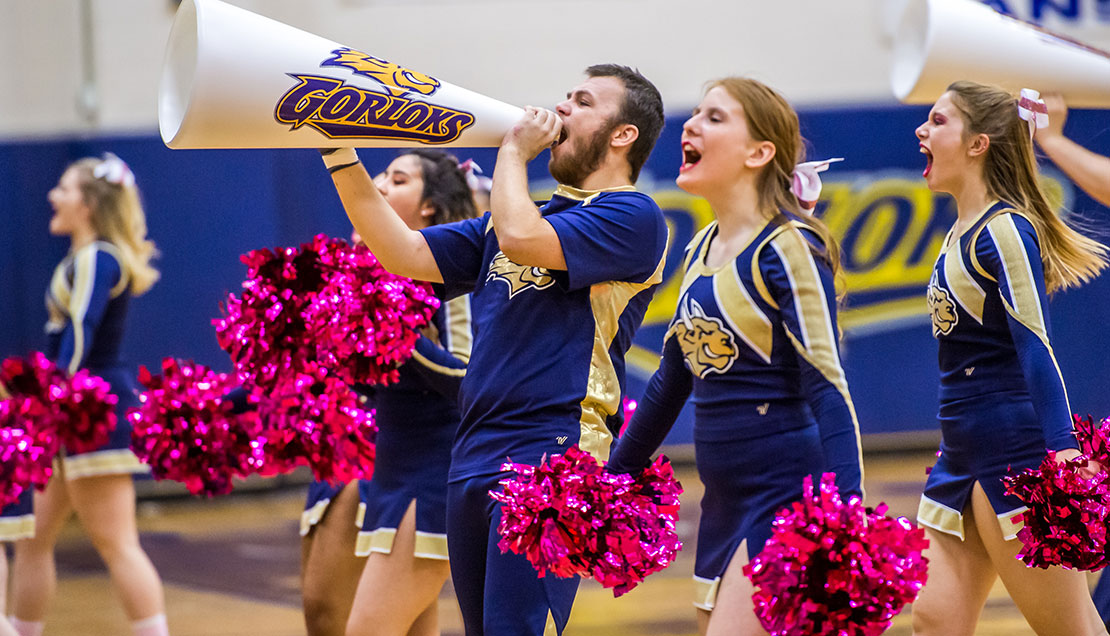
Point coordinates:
[(397, 588), (1055, 601), (733, 613), (35, 579), (329, 567), (105, 506), (6, 628)]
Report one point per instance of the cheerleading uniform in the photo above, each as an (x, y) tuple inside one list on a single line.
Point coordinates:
[(547, 372), (1002, 397), (755, 342), (87, 304), (417, 418), (17, 521)]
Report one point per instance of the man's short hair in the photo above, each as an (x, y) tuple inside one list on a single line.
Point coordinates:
[(642, 107)]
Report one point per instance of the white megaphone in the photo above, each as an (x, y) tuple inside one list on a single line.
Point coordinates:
[(235, 79), (941, 41)]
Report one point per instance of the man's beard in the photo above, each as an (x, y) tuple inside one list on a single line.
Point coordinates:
[(573, 169)]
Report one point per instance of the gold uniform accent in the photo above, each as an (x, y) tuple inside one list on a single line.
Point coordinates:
[(105, 462), (427, 545), (16, 528), (941, 518), (70, 303), (459, 337), (737, 306), (608, 301), (518, 277), (1026, 305), (964, 289), (816, 343)]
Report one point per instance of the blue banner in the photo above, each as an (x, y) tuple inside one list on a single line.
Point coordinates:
[(206, 208)]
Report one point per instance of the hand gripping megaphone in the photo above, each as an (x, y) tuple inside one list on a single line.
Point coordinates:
[(942, 41), (235, 79)]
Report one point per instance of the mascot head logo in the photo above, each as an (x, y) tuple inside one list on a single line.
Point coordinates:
[(707, 346), (396, 80), (942, 309), (518, 277)]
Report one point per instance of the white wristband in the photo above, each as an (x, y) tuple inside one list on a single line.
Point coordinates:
[(339, 158)]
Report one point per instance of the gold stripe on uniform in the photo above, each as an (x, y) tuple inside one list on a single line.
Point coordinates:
[(459, 336), (124, 270), (312, 516), (743, 315), (429, 545), (967, 292), (608, 301), (705, 592), (84, 273), (1025, 305), (817, 342), (940, 517), (106, 462), (1024, 292), (380, 540), (438, 368), (16, 528)]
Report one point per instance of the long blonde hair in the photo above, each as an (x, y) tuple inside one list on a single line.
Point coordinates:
[(1010, 171), (771, 118), (117, 217)]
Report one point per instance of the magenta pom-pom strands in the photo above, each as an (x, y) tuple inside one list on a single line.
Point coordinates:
[(328, 303), (1066, 523), (186, 432), (25, 459), (76, 412), (569, 516), (836, 567)]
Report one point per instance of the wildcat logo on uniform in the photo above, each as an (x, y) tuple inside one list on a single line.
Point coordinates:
[(342, 111), (707, 346), (397, 80), (518, 277), (942, 309)]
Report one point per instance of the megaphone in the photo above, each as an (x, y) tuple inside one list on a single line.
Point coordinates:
[(942, 41), (235, 79)]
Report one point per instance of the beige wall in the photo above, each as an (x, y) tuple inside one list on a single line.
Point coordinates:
[(519, 51)]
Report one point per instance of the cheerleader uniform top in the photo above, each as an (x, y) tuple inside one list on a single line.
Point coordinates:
[(755, 341), (547, 367), (87, 306), (990, 315)]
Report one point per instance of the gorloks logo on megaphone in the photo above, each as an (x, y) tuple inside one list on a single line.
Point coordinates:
[(235, 79), (342, 111)]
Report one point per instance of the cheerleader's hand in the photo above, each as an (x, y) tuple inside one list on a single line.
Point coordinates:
[(1090, 470), (1057, 115)]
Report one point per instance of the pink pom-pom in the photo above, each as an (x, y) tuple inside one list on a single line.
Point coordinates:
[(1094, 439), (326, 303), (1067, 517), (365, 321), (317, 421), (832, 567), (90, 413), (570, 517), (25, 461), (185, 431), (77, 412)]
